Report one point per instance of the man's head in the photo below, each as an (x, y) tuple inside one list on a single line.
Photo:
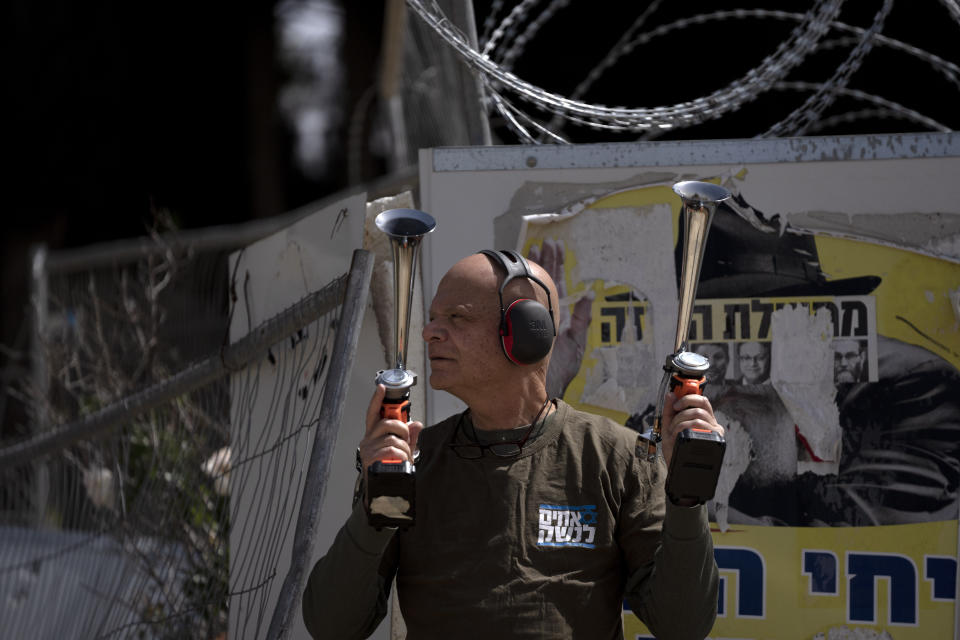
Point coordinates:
[(754, 361), (719, 358), (848, 359), (463, 331)]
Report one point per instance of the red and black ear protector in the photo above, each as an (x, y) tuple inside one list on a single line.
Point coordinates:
[(527, 328)]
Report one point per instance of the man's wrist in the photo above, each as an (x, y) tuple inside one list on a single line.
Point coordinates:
[(685, 522), (358, 489)]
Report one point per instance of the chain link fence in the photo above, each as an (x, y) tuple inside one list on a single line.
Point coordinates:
[(117, 508)]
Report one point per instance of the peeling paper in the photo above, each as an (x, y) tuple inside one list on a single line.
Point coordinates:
[(933, 234), (602, 253), (802, 374), (601, 387), (736, 459), (621, 381), (593, 243), (760, 411), (946, 245)]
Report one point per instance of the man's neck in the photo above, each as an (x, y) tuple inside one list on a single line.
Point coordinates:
[(508, 413)]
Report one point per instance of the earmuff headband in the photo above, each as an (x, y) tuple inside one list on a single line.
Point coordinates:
[(524, 336)]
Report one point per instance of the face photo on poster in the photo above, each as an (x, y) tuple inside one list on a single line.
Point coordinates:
[(718, 355), (850, 359), (753, 362)]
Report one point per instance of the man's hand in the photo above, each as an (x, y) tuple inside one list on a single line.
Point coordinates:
[(572, 328), (387, 439), (688, 412)]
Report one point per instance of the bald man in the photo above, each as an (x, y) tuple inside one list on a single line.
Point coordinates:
[(534, 519)]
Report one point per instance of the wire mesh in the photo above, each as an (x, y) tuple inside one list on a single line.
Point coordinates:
[(131, 531)]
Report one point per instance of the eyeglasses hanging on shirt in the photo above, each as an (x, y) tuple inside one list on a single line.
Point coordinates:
[(475, 450)]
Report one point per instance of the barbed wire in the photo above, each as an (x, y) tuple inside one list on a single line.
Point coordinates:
[(505, 40), (949, 70), (800, 119), (789, 54), (953, 6), (853, 116), (518, 43), (892, 108), (506, 30)]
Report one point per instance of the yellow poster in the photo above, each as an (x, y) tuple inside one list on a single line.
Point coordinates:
[(834, 369), (801, 583)]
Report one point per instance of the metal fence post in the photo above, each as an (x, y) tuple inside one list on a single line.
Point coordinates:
[(40, 380), (324, 441)]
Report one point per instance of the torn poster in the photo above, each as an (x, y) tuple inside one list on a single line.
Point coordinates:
[(813, 352)]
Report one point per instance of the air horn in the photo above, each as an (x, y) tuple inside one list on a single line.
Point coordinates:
[(698, 453), (390, 490)]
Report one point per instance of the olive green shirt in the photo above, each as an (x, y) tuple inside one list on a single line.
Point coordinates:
[(546, 544)]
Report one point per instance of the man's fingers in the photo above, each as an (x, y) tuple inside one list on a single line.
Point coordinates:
[(386, 440), (692, 400), (694, 419), (415, 429), (688, 412), (393, 443), (691, 411)]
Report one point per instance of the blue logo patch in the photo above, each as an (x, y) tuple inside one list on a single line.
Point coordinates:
[(570, 526)]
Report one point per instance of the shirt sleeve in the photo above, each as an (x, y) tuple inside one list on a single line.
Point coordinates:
[(673, 587), (348, 589)]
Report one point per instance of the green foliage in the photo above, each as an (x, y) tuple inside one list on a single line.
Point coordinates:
[(148, 484)]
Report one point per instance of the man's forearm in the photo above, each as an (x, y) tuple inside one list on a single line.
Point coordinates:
[(677, 596), (346, 595)]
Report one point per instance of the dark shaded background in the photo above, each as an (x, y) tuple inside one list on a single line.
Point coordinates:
[(117, 109)]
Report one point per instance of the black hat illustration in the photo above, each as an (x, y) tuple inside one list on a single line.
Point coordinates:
[(744, 260)]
